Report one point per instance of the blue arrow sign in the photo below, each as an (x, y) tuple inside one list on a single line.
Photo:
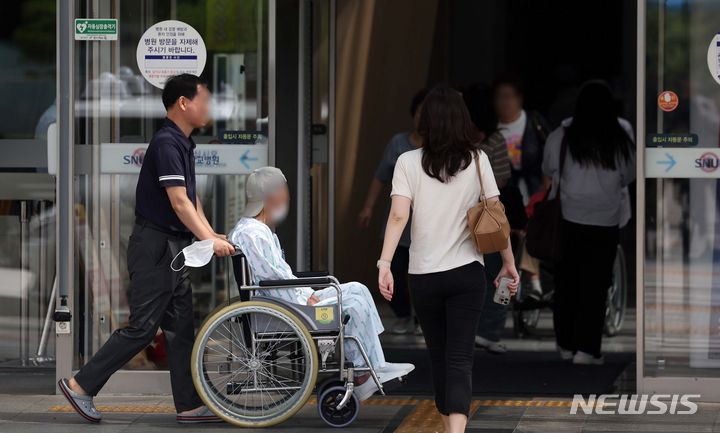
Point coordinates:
[(245, 158), (670, 161)]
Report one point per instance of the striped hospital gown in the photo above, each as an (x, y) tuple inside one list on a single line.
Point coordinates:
[(267, 262)]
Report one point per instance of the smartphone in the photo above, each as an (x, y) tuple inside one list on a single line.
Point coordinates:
[(502, 293)]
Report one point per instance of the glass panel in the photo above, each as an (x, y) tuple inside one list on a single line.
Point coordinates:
[(682, 252), (27, 190), (117, 113)]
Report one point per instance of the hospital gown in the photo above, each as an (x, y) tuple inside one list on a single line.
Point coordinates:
[(267, 262)]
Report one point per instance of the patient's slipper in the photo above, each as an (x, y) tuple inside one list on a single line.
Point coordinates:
[(366, 390), (392, 371)]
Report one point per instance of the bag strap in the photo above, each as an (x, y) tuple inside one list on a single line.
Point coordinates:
[(476, 157)]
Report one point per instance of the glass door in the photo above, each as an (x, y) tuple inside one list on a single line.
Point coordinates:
[(679, 122), (117, 109), (27, 194)]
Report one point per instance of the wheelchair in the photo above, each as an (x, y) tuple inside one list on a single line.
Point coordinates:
[(257, 359)]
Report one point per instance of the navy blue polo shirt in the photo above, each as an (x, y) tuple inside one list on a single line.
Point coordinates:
[(169, 161)]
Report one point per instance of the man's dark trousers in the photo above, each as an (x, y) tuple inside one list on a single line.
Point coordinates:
[(159, 297)]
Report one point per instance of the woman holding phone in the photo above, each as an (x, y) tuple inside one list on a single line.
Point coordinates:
[(440, 182)]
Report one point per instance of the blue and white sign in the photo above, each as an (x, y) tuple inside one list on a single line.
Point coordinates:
[(170, 48), (675, 162), (127, 158)]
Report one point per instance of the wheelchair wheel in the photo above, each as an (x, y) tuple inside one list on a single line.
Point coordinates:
[(617, 296), (254, 364), (327, 407)]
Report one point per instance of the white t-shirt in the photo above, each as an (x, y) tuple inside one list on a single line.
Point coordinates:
[(440, 238), (513, 133)]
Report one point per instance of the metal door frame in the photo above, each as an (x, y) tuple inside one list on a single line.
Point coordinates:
[(302, 200)]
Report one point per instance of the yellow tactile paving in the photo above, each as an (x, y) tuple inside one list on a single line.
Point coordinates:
[(524, 403), (120, 408), (423, 407)]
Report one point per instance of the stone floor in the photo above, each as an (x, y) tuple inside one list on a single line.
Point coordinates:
[(402, 414)]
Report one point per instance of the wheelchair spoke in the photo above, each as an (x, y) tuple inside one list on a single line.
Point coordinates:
[(290, 369), (239, 344)]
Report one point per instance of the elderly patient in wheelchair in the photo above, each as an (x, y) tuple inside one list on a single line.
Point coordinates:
[(266, 206)]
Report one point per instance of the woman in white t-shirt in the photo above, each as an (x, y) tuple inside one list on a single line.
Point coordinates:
[(447, 281)]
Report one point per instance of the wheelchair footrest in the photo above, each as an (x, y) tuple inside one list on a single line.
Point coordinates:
[(394, 384)]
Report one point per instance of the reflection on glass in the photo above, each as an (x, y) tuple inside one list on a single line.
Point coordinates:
[(115, 106)]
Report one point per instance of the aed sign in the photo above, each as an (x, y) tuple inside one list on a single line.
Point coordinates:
[(96, 29)]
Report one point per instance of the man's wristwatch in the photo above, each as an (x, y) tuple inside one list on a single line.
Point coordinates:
[(383, 264)]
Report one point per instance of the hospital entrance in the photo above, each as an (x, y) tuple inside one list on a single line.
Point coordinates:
[(318, 88)]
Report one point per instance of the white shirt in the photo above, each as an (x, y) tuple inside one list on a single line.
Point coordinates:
[(513, 133), (439, 232), (591, 194), (266, 259)]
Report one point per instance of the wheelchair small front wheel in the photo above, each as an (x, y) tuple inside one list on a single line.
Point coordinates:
[(254, 364), (328, 403), (327, 383)]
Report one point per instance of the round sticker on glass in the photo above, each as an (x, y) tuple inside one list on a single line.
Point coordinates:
[(713, 58), (668, 101), (170, 48)]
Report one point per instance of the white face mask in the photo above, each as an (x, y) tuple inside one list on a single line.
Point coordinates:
[(278, 215), (197, 254)]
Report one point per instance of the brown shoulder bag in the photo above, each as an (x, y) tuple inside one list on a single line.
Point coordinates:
[(489, 227)]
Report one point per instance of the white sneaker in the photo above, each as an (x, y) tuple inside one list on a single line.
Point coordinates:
[(587, 359), (565, 355), (402, 325), (366, 390), (491, 346)]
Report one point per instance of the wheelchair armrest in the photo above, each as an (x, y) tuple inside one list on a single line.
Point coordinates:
[(311, 274), (297, 282)]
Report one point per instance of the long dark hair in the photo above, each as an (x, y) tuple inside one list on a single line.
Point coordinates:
[(595, 136), (449, 137)]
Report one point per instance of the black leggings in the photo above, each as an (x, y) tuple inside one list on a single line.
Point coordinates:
[(400, 302), (448, 306)]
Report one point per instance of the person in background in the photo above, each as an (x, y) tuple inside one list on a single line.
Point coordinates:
[(440, 182), (399, 144), (599, 163), (525, 133), (478, 99)]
